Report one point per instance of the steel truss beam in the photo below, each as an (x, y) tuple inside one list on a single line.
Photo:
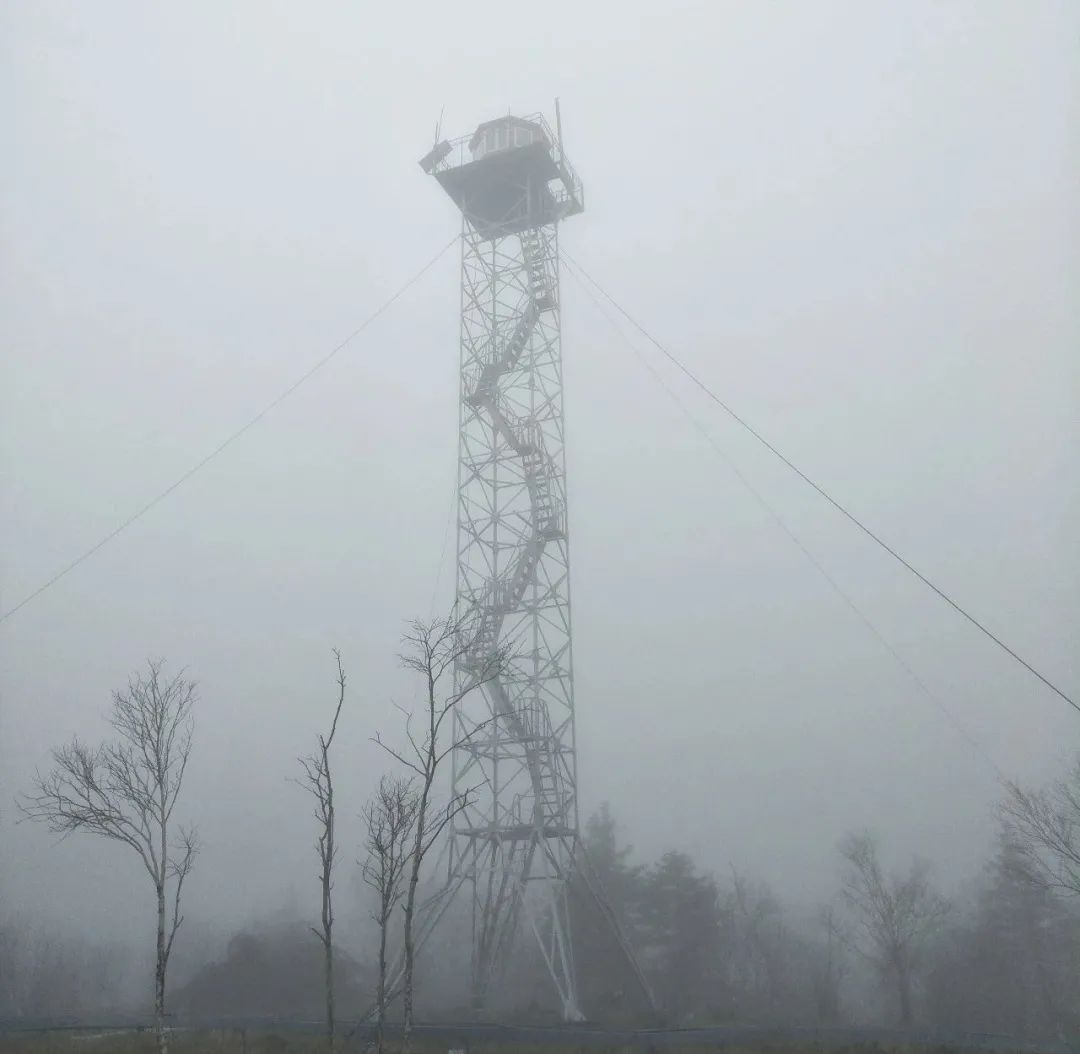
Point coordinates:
[(514, 845)]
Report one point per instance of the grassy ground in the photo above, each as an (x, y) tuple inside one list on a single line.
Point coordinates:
[(215, 1042), (235, 1041)]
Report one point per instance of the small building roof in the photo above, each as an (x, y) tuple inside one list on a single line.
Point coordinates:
[(508, 121)]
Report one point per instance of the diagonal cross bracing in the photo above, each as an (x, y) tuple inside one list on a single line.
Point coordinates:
[(518, 836)]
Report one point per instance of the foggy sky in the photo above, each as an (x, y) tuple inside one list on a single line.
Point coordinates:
[(857, 222)]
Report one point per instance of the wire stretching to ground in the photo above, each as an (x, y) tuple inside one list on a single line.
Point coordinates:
[(232, 437), (820, 490), (923, 687)]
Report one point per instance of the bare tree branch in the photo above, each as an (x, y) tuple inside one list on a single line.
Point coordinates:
[(390, 820), (1043, 826), (126, 791), (439, 650), (318, 781), (894, 916)]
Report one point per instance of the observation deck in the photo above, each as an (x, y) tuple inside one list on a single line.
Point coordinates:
[(508, 176)]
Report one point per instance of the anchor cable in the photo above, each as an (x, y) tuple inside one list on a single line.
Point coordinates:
[(743, 423), (232, 437), (918, 681)]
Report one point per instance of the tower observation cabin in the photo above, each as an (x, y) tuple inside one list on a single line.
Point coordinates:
[(510, 175)]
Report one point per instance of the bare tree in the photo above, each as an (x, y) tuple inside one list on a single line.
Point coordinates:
[(893, 916), (1043, 827), (127, 790), (439, 650), (830, 968), (318, 781), (390, 821)]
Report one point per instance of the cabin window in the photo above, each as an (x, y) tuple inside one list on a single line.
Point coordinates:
[(504, 136)]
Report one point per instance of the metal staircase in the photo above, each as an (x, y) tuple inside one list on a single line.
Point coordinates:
[(540, 285), (505, 594)]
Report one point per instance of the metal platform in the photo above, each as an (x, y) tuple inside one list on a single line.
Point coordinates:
[(511, 190)]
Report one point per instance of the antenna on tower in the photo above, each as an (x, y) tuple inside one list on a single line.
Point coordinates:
[(431, 161)]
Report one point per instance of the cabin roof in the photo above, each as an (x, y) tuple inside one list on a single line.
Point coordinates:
[(508, 121)]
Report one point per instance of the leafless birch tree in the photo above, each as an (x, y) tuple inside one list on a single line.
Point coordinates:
[(893, 917), (440, 651), (126, 791), (318, 781), (1043, 826), (390, 821)]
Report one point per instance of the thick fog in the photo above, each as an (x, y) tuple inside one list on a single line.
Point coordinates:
[(856, 222)]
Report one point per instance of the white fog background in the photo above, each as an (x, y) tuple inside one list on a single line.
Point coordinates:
[(856, 221)]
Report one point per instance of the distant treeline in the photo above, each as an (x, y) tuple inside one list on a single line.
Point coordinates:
[(1004, 958)]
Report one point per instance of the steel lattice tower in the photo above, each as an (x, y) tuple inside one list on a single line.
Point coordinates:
[(515, 846)]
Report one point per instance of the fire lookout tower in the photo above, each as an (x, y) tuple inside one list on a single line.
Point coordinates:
[(514, 848)]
